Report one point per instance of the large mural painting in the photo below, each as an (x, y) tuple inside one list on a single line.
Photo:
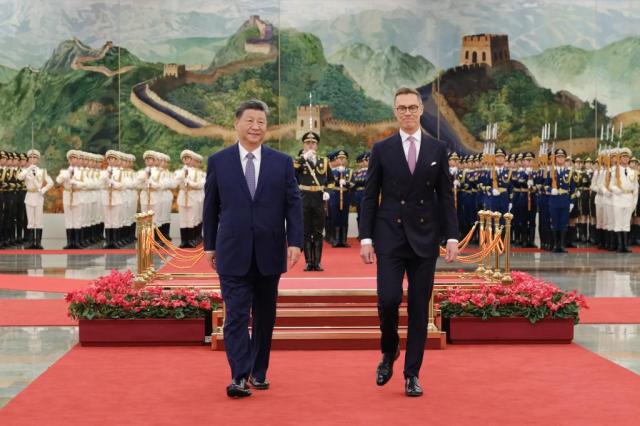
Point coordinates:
[(166, 75)]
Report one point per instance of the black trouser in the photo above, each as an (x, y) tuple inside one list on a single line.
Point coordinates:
[(313, 215), (255, 293), (420, 274)]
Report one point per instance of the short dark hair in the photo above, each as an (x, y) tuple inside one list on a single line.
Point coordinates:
[(407, 91), (255, 104)]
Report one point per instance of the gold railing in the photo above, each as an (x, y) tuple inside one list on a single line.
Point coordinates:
[(151, 242), (490, 243)]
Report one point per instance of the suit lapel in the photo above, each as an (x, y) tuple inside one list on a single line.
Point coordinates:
[(263, 173), (425, 155), (398, 157), (239, 173)]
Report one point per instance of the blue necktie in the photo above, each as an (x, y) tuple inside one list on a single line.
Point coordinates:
[(250, 174)]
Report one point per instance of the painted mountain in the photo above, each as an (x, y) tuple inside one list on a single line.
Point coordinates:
[(381, 72), (608, 73)]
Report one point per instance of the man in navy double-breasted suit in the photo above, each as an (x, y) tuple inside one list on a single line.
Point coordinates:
[(252, 218), (407, 208)]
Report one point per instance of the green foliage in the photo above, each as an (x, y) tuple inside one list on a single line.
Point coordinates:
[(117, 57), (521, 108), (347, 101)]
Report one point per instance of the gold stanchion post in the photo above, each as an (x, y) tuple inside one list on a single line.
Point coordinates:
[(497, 275), (488, 272), (480, 268), (506, 278), (432, 327)]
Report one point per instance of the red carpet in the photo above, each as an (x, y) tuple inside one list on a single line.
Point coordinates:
[(21, 312), (532, 384), (47, 284), (611, 310), (74, 251), (571, 250)]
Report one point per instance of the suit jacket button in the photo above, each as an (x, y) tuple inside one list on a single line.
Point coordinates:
[(421, 202), (421, 220), (402, 202), (399, 220)]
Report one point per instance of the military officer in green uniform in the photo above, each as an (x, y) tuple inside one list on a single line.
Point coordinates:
[(314, 179)]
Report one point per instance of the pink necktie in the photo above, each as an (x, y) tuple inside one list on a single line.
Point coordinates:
[(411, 157)]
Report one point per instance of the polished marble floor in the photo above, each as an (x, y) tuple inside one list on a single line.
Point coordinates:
[(25, 352)]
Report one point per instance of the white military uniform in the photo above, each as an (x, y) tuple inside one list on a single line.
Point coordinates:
[(37, 183), (190, 181), (624, 186)]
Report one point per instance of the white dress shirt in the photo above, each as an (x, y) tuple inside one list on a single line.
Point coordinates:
[(257, 154), (404, 136)]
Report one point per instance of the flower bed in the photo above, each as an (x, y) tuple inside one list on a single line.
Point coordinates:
[(529, 310), (526, 297), (112, 312), (113, 297)]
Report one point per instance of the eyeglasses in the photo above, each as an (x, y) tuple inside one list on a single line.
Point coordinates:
[(411, 108)]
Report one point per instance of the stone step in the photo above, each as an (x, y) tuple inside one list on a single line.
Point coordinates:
[(332, 338)]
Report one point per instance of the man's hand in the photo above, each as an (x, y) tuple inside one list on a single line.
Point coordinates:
[(293, 256), (452, 251), (211, 259), (367, 254)]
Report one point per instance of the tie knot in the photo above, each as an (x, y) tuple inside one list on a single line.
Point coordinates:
[(250, 156), (411, 139)]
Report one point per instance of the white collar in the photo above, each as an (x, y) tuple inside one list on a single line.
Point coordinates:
[(256, 152), (417, 135)]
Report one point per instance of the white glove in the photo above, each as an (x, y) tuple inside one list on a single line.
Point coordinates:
[(607, 193), (43, 191), (343, 182), (340, 169), (616, 190), (510, 206), (554, 191), (456, 183), (577, 193), (495, 192), (530, 183), (310, 155), (325, 196), (570, 207)]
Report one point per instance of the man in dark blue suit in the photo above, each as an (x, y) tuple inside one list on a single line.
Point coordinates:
[(407, 208), (252, 217)]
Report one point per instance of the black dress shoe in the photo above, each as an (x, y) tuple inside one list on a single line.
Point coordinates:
[(259, 384), (238, 389), (412, 386), (385, 368)]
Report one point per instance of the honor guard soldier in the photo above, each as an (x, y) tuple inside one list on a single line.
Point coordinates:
[(11, 199), (561, 199), (329, 229), (359, 180), (37, 183), (589, 205), (199, 182), (3, 188), (70, 179), (524, 201), (583, 185), (144, 180), (314, 177), (455, 173), (112, 199), (634, 238), (624, 186), (340, 200), (498, 184), (467, 196), (21, 214), (190, 181), (168, 185), (130, 196)]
